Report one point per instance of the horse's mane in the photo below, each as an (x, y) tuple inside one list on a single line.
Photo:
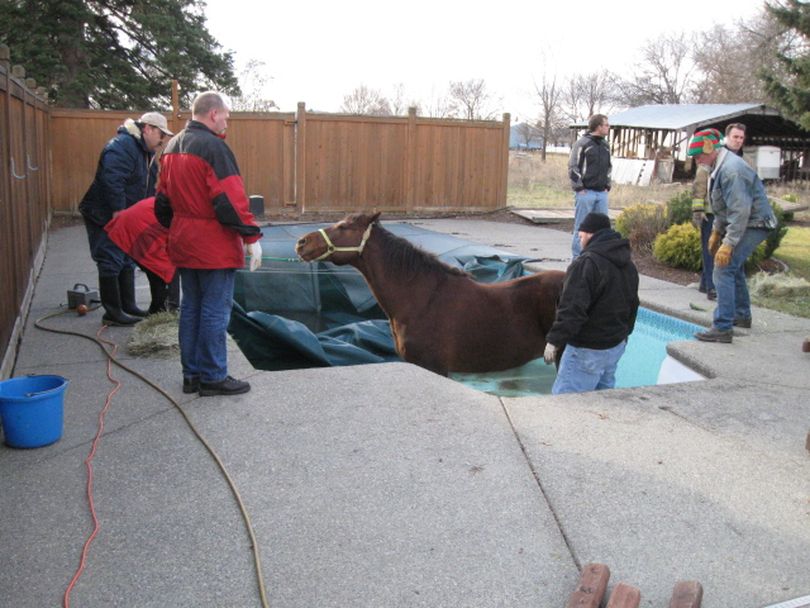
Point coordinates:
[(403, 256)]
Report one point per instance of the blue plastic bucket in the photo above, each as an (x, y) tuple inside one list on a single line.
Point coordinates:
[(32, 410)]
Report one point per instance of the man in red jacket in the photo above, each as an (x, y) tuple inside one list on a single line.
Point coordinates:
[(201, 199)]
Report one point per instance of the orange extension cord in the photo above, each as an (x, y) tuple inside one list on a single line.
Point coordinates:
[(111, 360), (89, 463)]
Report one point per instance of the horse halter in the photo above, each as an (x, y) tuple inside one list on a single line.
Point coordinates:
[(332, 248)]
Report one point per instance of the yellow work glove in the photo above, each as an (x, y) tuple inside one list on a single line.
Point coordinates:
[(715, 238), (723, 256)]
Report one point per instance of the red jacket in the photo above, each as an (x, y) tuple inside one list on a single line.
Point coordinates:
[(202, 200), (137, 233)]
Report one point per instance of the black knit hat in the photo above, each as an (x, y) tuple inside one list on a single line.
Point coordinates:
[(594, 222)]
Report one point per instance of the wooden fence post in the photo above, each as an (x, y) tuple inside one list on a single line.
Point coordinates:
[(175, 122), (410, 161), (507, 131), (300, 156)]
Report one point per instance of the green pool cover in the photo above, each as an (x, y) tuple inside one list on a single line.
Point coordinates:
[(291, 314)]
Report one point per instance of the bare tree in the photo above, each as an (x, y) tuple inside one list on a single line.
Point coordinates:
[(666, 73), (549, 94), (364, 100), (470, 99), (400, 103), (253, 81), (583, 95), (732, 57), (528, 134)]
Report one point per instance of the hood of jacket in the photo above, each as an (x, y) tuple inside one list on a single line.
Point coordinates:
[(610, 245)]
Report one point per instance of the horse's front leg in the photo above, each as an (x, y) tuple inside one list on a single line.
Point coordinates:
[(422, 353)]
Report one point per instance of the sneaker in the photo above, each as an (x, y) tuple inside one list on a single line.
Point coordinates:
[(228, 386), (711, 294), (715, 335), (744, 323), (191, 385)]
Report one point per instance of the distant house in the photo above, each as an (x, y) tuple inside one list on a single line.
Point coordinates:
[(650, 141), (524, 136)]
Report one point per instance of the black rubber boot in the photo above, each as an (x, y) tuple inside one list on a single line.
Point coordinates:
[(111, 301), (126, 286), (158, 290), (173, 299)]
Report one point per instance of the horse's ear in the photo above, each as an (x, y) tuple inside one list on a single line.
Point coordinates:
[(375, 216)]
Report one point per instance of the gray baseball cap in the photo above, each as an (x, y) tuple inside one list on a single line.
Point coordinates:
[(156, 119)]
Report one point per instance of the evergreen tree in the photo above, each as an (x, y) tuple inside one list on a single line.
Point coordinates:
[(116, 54), (791, 91)]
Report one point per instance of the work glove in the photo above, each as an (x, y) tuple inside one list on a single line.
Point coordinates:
[(697, 218), (723, 256), (254, 250), (550, 354), (715, 238)]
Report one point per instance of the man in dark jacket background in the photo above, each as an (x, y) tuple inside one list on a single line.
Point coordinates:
[(589, 169), (126, 173), (597, 310)]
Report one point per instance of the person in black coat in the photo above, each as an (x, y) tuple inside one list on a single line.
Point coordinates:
[(597, 310), (126, 173)]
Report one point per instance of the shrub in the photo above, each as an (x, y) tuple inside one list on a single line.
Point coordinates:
[(679, 247), (679, 208), (641, 223)]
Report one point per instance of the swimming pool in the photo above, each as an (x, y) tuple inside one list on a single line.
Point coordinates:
[(641, 364)]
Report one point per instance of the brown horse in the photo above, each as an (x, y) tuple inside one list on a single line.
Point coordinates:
[(441, 318)]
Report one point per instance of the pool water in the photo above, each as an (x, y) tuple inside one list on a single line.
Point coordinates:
[(639, 366)]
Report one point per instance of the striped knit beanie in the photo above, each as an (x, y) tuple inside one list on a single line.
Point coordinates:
[(704, 142)]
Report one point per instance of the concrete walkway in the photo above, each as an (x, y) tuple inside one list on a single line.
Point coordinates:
[(386, 485)]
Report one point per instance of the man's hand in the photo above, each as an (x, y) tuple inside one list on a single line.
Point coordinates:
[(255, 252), (723, 256), (550, 354), (715, 238), (697, 218)]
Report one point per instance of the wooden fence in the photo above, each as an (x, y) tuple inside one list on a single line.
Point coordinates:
[(306, 163), (24, 196)]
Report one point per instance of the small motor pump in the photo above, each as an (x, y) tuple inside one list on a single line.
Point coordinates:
[(81, 294)]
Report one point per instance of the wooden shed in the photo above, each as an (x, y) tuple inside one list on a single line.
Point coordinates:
[(649, 142)]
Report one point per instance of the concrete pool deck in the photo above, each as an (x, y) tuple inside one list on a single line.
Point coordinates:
[(386, 485)]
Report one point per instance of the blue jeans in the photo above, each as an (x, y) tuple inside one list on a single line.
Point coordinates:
[(733, 301), (706, 282), (587, 369), (205, 311), (586, 201), (108, 257)]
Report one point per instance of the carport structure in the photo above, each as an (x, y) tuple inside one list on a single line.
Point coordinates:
[(660, 133)]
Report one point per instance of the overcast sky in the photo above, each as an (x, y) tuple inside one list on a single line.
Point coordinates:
[(318, 51)]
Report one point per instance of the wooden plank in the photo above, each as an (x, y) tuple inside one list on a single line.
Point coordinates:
[(592, 584), (624, 596), (686, 594)]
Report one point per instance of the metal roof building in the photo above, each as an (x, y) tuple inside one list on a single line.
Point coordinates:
[(661, 133)]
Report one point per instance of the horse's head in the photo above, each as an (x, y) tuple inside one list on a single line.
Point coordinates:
[(340, 243)]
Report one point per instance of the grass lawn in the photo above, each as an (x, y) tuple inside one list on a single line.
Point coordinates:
[(794, 250), (792, 297)]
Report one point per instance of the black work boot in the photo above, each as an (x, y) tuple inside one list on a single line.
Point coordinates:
[(111, 301), (228, 386), (715, 335), (126, 286), (158, 290)]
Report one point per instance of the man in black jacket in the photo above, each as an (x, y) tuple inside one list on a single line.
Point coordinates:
[(589, 170), (597, 310)]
